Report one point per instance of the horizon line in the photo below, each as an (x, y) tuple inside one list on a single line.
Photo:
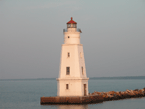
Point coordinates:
[(89, 77)]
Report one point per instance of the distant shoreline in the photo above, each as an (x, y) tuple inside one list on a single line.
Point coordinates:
[(91, 78)]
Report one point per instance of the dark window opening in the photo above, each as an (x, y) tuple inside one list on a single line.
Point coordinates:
[(85, 89), (82, 71), (68, 36), (68, 54), (67, 70), (67, 87)]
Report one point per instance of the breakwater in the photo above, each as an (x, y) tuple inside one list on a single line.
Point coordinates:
[(112, 95), (95, 97)]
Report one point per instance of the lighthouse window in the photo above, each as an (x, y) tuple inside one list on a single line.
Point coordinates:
[(67, 87), (68, 54), (74, 25), (67, 70), (68, 25), (82, 71)]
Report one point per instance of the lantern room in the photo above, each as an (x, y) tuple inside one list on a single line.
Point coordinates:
[(71, 24)]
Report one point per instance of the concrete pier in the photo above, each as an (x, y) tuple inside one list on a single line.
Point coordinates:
[(95, 97), (71, 100)]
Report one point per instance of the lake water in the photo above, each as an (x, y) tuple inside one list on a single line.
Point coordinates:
[(25, 94)]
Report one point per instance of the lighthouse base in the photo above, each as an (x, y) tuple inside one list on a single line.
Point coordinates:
[(71, 100)]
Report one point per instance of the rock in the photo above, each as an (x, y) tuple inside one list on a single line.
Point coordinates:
[(96, 93), (144, 90), (131, 94), (99, 93), (104, 96), (136, 90), (118, 94), (127, 90), (131, 91), (111, 92), (141, 90), (135, 93)]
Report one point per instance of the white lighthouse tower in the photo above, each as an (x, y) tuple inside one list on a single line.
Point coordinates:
[(72, 79)]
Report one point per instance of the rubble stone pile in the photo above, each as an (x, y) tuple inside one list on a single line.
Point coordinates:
[(112, 95)]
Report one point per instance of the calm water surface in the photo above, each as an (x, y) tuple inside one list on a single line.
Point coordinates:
[(25, 94)]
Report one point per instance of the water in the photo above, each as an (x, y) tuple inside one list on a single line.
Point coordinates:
[(25, 94)]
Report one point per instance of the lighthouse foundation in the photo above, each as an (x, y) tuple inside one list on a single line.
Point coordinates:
[(71, 100)]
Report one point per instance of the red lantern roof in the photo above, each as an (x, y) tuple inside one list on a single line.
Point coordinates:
[(71, 21)]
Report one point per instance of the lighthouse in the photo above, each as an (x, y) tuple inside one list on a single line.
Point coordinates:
[(72, 80)]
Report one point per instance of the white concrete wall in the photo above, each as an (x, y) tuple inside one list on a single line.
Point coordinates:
[(76, 79), (75, 61), (82, 61), (76, 87), (72, 36)]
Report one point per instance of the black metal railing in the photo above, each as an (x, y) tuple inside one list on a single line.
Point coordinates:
[(64, 30), (78, 30)]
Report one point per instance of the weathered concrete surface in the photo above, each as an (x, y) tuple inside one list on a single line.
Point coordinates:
[(95, 97), (71, 100)]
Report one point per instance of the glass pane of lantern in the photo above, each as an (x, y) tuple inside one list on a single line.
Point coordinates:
[(68, 25), (74, 25)]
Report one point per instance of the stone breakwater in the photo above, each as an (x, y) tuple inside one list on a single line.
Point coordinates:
[(112, 95), (95, 97)]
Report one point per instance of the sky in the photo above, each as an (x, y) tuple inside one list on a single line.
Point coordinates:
[(31, 35)]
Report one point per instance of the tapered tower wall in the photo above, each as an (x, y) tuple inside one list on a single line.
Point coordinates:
[(75, 61), (72, 79)]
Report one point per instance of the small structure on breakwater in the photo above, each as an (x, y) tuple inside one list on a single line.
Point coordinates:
[(95, 97)]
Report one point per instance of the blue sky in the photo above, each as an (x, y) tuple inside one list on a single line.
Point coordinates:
[(31, 34)]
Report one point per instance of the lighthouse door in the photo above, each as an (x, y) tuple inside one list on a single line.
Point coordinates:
[(85, 92)]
